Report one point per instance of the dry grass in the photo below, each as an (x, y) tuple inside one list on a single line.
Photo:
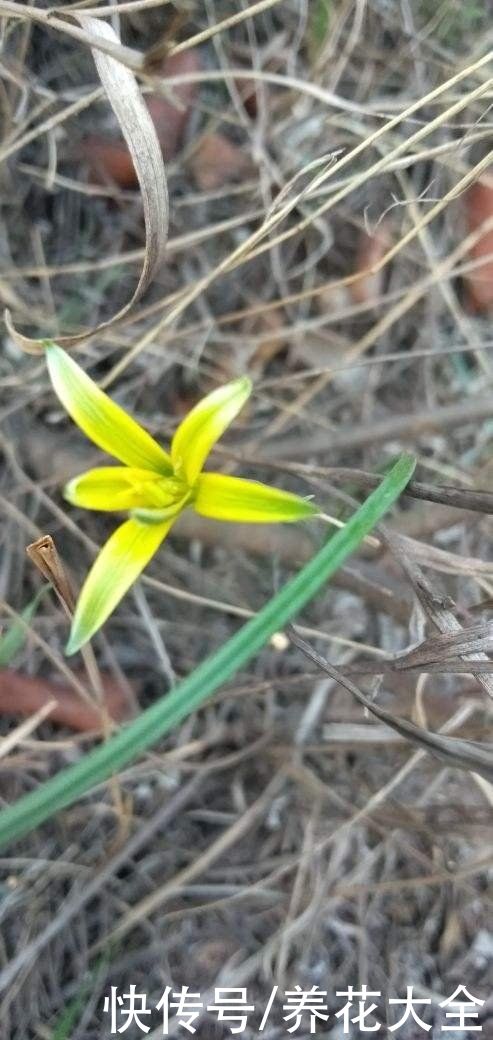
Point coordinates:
[(282, 836)]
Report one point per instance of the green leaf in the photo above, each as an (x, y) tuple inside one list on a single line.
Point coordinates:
[(13, 640), (104, 761), (246, 501), (100, 418), (66, 1022), (318, 25), (205, 424)]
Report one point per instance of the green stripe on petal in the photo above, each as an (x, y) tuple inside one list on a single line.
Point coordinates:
[(109, 488), (103, 421), (205, 424), (233, 498), (118, 565), (112, 488)]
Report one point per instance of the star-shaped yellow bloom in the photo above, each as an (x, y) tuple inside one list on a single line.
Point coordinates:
[(152, 485)]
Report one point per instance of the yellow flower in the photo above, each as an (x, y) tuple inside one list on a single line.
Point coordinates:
[(152, 485)]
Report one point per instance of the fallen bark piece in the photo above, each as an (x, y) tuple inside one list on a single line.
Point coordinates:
[(24, 695)]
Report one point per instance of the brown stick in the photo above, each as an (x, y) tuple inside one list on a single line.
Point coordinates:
[(408, 427), (442, 494)]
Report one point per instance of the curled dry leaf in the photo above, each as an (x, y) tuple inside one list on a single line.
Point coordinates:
[(139, 133), (438, 608), (216, 160), (454, 751), (445, 652), (111, 161), (43, 553), (372, 247), (24, 695), (478, 204)]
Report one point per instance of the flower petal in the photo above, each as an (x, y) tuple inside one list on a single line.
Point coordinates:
[(103, 421), (205, 424), (233, 498), (109, 488), (113, 488), (118, 565)]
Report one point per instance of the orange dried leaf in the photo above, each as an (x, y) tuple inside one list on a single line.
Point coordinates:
[(171, 119), (110, 161), (24, 695), (478, 204), (216, 160)]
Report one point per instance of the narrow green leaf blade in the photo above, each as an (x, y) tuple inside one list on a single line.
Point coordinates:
[(104, 761), (13, 640), (67, 1021)]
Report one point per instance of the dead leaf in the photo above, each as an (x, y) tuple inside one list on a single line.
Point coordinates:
[(446, 652), (478, 204), (170, 116), (438, 648), (138, 130), (111, 162), (435, 606), (454, 751), (25, 695), (43, 553), (216, 161)]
